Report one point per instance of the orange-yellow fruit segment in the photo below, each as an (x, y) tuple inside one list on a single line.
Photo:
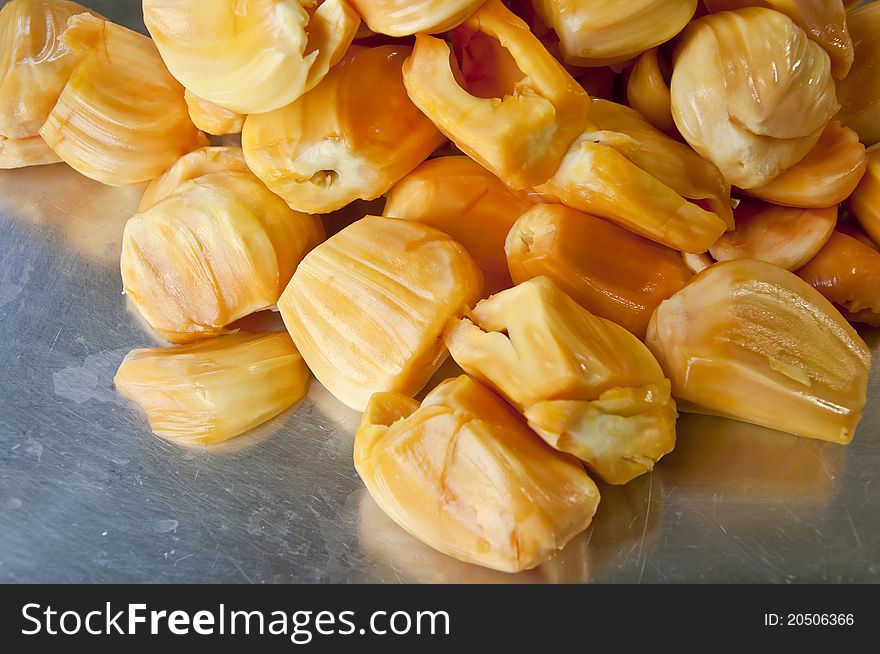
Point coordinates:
[(351, 137), (465, 475), (823, 20), (500, 96), (121, 119), (865, 201), (405, 17), (648, 91), (751, 93), (608, 270), (35, 64), (602, 32), (585, 384), (627, 171), (750, 341), (254, 56), (463, 199), (218, 248), (212, 119), (28, 151), (825, 177), (859, 93), (785, 236), (212, 159), (847, 272), (214, 390), (367, 307)]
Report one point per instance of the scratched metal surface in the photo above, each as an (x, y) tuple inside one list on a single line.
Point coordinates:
[(88, 495)]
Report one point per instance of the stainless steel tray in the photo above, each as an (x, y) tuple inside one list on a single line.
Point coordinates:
[(88, 495)]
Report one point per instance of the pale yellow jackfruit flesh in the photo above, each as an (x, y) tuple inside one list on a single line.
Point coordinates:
[(586, 385), (212, 119), (214, 390), (865, 201), (826, 176), (218, 248), (211, 159), (750, 341), (367, 307), (121, 119), (254, 56), (28, 151), (351, 137), (465, 475), (503, 100), (602, 32), (847, 272), (784, 236), (458, 196), (647, 91), (34, 67), (823, 20), (608, 270), (751, 93), (405, 17), (859, 93), (625, 170)]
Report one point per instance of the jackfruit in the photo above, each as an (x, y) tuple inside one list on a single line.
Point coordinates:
[(218, 248), (121, 119), (367, 307), (214, 390), (352, 136), (463, 199), (784, 236), (627, 171), (608, 270), (751, 93), (250, 57), (504, 100), (750, 341), (465, 475), (586, 385)]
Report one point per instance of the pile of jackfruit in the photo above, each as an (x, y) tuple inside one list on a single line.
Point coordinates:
[(605, 212)]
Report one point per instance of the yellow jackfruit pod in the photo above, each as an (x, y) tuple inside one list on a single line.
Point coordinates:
[(750, 341), (34, 67), (212, 119), (865, 201), (466, 476), (751, 93), (826, 176), (367, 307), (648, 91), (627, 171), (250, 57), (823, 20), (608, 270), (121, 119), (214, 390), (405, 17), (586, 385), (603, 32), (28, 151), (697, 263), (847, 272), (504, 100), (211, 159), (331, 146), (859, 93), (463, 199), (218, 248), (787, 237)]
